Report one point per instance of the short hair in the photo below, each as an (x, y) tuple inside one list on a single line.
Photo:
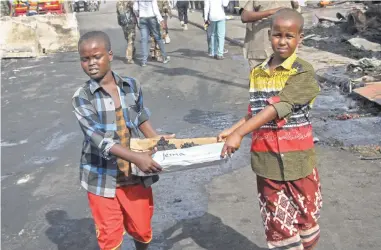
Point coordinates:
[(96, 35), (289, 14)]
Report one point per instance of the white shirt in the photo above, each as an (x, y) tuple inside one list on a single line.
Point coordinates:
[(214, 10), (147, 8)]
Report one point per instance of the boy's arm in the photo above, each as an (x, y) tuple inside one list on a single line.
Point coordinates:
[(104, 141), (222, 136), (300, 89), (91, 125), (150, 132), (266, 115), (249, 15)]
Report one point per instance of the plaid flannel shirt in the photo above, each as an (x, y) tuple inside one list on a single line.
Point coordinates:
[(95, 111)]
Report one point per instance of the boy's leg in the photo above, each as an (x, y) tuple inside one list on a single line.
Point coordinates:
[(310, 199), (144, 31), (221, 37), (155, 29), (289, 211), (108, 219), (137, 205)]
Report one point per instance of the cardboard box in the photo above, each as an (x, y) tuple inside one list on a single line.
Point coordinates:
[(140, 145), (206, 154)]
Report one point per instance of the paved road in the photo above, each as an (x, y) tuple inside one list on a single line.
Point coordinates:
[(43, 206)]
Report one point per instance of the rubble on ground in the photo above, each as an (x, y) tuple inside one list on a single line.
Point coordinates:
[(366, 66)]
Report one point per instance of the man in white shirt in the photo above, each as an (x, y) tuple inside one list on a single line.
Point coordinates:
[(150, 20), (214, 15)]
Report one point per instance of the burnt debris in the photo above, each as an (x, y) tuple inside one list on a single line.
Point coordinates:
[(164, 144)]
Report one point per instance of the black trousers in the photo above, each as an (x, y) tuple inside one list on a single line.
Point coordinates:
[(182, 7)]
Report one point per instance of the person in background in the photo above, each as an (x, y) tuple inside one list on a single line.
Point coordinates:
[(214, 16), (127, 20), (165, 11), (256, 15), (150, 19), (182, 7)]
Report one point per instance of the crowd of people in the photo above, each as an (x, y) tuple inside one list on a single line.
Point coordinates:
[(151, 17), (281, 92)]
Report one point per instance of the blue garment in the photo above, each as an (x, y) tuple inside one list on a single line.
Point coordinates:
[(149, 25), (216, 34)]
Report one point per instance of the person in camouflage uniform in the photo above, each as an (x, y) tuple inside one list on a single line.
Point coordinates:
[(127, 20), (5, 8), (165, 11)]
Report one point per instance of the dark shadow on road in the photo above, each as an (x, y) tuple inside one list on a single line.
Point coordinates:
[(181, 71), (70, 234), (137, 60), (209, 233), (191, 53), (175, 29)]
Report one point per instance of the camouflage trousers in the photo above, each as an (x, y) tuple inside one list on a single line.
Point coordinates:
[(129, 35), (155, 49)]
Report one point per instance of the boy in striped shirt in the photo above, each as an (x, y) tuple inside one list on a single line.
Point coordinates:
[(282, 90)]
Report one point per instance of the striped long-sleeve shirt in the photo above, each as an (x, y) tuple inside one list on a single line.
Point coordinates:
[(283, 149)]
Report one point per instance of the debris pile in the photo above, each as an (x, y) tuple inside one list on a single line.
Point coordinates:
[(366, 24), (367, 66), (188, 145), (164, 144)]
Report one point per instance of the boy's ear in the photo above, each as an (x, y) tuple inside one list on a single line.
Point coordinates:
[(110, 55), (301, 37)]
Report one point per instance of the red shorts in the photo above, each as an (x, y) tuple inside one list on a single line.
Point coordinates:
[(290, 210), (130, 210)]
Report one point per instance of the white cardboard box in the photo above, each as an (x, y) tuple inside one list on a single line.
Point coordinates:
[(207, 153)]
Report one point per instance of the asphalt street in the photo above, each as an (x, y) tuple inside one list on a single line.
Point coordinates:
[(44, 207)]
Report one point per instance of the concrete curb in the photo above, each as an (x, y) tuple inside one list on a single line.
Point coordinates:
[(37, 35), (229, 39)]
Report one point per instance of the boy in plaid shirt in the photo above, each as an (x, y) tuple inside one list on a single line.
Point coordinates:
[(108, 107)]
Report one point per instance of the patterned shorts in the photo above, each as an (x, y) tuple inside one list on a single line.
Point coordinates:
[(290, 210)]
